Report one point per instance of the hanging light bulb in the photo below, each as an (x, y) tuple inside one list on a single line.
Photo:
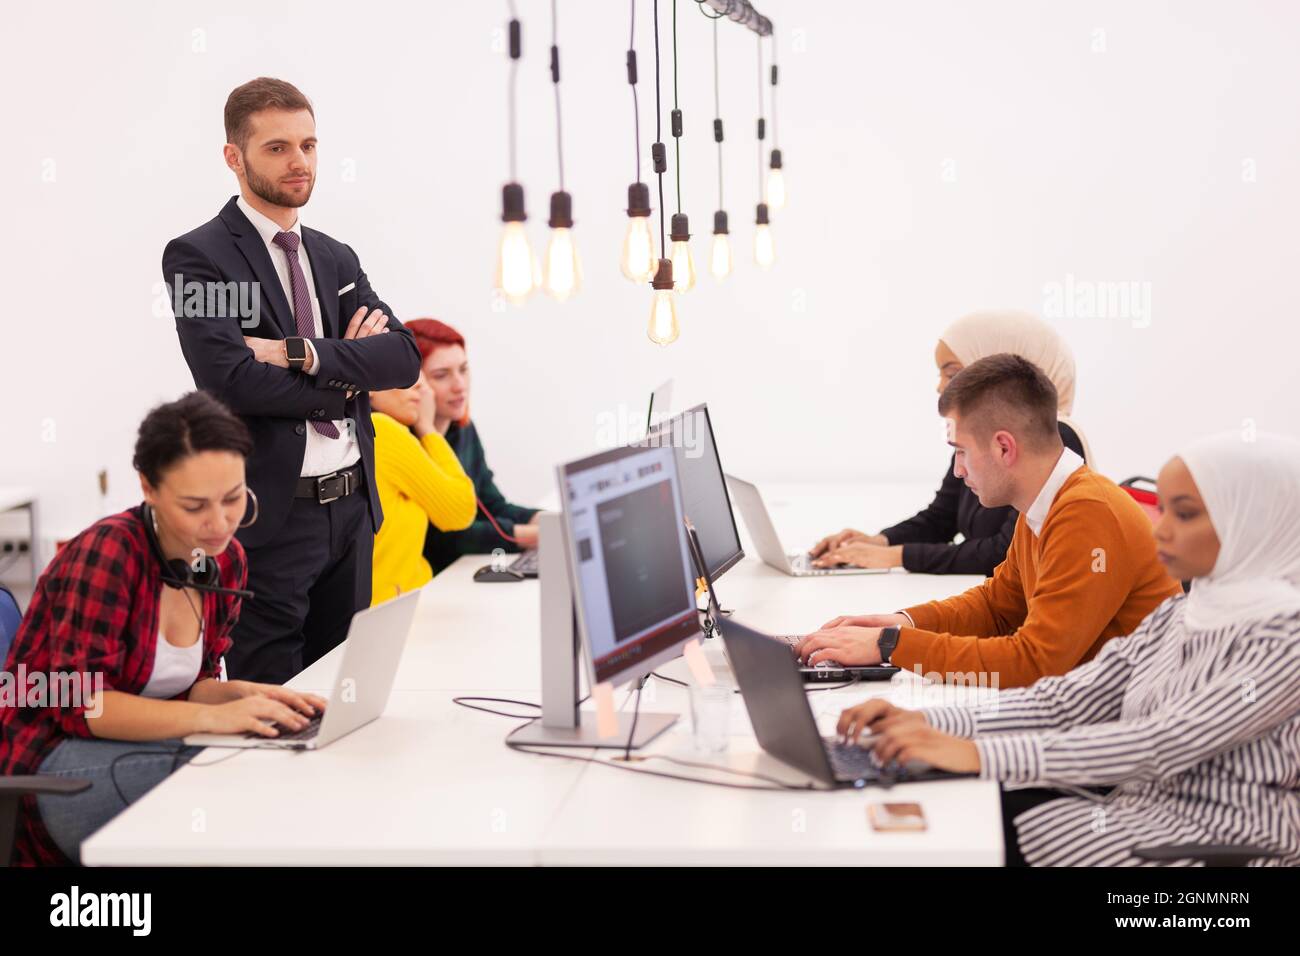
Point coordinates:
[(683, 264), (638, 244), (775, 182), (563, 275), (516, 264), (764, 250), (720, 252), (663, 310)]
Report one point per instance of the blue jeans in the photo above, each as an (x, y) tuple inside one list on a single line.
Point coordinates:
[(120, 771)]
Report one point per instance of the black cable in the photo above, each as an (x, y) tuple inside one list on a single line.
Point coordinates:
[(112, 767), (510, 100), (776, 136), (761, 120), (670, 680), (636, 109), (497, 700), (555, 81), (717, 105), (659, 130), (677, 140)]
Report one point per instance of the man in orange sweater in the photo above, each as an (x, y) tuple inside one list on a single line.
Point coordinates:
[(1080, 570)]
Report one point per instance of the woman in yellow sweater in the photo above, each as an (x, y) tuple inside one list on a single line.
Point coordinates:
[(420, 480)]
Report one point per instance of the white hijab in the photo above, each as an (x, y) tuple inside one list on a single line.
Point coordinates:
[(1251, 490), (980, 334)]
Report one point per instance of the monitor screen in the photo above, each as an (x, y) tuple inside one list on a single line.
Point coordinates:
[(633, 582), (705, 498)]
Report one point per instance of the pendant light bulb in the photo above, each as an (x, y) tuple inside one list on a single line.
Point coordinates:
[(764, 249), (683, 264), (776, 182), (720, 251), (638, 262), (663, 328), (563, 273), (516, 271)]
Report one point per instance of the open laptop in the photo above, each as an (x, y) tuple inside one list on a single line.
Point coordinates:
[(371, 654), (824, 671), (786, 727), (761, 529)]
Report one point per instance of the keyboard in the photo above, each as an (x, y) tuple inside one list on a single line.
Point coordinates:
[(311, 730), (525, 564), (804, 565), (853, 762)]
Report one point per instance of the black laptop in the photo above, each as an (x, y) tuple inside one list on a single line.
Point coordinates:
[(773, 690)]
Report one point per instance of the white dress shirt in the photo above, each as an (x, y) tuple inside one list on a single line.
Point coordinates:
[(1066, 465), (322, 455)]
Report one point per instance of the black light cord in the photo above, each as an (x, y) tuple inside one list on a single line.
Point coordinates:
[(636, 109), (510, 110), (717, 103), (776, 136), (677, 140), (555, 81), (761, 120), (461, 701), (659, 130)]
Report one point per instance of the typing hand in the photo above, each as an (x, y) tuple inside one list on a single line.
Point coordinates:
[(874, 716), (832, 541), (906, 742), (860, 554), (847, 645)]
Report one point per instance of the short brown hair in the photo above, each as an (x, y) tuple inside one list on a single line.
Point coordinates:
[(1005, 391), (263, 93)]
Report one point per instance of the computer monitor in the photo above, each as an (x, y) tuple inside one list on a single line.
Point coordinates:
[(705, 497), (633, 583)]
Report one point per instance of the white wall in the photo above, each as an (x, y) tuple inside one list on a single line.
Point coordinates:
[(941, 157)]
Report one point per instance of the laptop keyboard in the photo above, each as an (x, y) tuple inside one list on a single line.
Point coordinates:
[(306, 733), (804, 565), (526, 564), (854, 762)]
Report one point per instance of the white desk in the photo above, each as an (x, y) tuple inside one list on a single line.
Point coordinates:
[(433, 783)]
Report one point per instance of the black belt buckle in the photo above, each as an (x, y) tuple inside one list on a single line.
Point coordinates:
[(333, 487)]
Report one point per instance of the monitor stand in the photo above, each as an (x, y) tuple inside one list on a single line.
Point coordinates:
[(562, 723)]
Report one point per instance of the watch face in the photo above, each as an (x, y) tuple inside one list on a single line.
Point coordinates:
[(296, 349)]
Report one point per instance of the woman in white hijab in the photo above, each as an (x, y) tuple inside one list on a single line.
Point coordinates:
[(924, 542), (1193, 719)]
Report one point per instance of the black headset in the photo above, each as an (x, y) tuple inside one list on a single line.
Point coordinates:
[(178, 573)]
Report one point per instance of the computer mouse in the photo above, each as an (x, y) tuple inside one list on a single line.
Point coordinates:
[(489, 573)]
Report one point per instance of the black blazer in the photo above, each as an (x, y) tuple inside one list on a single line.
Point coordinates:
[(275, 402), (927, 536)]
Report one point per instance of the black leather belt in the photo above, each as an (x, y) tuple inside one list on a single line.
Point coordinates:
[(331, 487)]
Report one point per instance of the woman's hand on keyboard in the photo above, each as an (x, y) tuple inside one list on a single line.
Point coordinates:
[(874, 716), (309, 704), (254, 714)]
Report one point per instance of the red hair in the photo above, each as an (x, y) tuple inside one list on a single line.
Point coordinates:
[(430, 335)]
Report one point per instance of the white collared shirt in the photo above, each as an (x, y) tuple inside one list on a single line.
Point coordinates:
[(322, 455), (1066, 465)]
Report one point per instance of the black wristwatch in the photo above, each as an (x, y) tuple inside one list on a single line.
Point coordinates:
[(295, 350), (887, 642)]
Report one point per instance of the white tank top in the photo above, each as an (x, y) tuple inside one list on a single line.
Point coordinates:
[(175, 669)]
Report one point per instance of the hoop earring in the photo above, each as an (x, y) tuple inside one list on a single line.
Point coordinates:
[(257, 509)]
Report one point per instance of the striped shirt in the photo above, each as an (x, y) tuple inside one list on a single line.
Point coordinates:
[(1197, 731)]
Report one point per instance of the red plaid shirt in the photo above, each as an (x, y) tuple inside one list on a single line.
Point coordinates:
[(95, 610)]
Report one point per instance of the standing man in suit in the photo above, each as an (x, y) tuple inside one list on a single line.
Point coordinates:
[(279, 322)]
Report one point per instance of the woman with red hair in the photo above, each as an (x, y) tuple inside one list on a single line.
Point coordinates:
[(500, 523)]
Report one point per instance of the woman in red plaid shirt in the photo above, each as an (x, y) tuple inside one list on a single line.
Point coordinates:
[(108, 609)]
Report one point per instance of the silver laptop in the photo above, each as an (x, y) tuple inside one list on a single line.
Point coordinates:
[(371, 654), (661, 406), (761, 529)]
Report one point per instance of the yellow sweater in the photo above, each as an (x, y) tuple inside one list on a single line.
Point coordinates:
[(419, 480)]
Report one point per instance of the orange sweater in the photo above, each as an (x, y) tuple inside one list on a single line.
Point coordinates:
[(1092, 574)]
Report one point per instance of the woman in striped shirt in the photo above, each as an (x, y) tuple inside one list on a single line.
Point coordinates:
[(1193, 720)]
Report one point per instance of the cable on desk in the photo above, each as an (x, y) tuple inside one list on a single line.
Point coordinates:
[(497, 700)]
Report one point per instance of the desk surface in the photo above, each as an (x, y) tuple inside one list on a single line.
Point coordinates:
[(433, 783)]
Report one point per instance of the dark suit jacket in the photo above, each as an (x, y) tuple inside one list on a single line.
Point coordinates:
[(275, 402)]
